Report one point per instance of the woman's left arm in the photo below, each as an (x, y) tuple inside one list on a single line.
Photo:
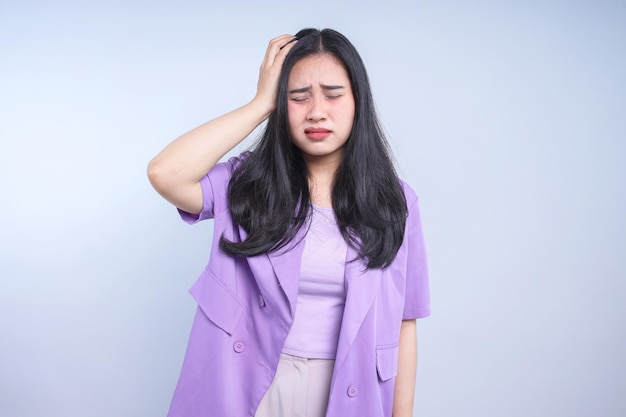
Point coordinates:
[(404, 390)]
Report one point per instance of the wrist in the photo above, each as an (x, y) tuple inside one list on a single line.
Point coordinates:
[(262, 107)]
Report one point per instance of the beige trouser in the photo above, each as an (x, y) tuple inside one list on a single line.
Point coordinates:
[(299, 389)]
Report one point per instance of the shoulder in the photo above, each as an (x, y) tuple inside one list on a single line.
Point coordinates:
[(215, 186), (409, 193), (219, 176), (228, 167)]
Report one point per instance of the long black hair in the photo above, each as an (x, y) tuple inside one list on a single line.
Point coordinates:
[(268, 193)]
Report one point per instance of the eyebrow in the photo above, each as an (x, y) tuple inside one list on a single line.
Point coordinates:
[(324, 87)]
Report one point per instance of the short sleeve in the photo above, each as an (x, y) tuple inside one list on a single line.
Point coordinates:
[(417, 295), (214, 190)]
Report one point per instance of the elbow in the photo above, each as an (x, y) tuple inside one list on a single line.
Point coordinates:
[(168, 180), (171, 186), (157, 176)]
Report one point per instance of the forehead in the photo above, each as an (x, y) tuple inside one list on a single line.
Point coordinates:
[(318, 68)]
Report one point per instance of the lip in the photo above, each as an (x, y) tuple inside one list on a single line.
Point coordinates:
[(317, 133)]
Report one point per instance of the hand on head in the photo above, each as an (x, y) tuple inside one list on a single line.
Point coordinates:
[(271, 68)]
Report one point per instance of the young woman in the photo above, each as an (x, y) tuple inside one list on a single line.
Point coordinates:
[(317, 270)]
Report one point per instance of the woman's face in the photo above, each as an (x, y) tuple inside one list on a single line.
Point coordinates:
[(320, 107)]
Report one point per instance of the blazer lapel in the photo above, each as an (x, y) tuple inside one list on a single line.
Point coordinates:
[(286, 264), (361, 289), (280, 270)]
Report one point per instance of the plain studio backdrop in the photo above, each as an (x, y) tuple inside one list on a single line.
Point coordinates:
[(507, 117)]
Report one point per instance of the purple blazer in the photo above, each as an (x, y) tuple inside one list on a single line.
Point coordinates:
[(246, 307)]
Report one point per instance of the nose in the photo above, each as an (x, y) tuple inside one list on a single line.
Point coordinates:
[(317, 109)]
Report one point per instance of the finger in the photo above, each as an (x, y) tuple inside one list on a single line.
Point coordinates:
[(292, 40), (284, 50), (282, 39), (275, 46)]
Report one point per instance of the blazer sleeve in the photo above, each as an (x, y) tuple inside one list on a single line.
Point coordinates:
[(214, 190), (417, 295)]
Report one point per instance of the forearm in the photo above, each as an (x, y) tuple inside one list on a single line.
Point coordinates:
[(176, 171), (188, 158), (404, 390)]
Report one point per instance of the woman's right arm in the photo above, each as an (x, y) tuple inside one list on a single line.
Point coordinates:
[(176, 171)]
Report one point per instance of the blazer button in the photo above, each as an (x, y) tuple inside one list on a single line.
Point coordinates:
[(353, 391), (239, 346), (261, 301)]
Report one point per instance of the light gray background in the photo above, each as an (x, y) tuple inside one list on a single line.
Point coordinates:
[(507, 117)]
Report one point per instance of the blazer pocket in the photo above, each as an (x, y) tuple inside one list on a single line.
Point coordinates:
[(217, 302), (387, 361)]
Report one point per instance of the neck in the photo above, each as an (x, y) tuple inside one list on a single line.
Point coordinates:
[(321, 179), (323, 167)]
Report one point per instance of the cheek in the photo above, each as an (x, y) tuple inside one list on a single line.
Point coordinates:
[(348, 118), (292, 114), (348, 111), (292, 121), (290, 118)]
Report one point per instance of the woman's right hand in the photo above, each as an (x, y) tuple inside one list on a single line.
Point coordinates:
[(271, 68)]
